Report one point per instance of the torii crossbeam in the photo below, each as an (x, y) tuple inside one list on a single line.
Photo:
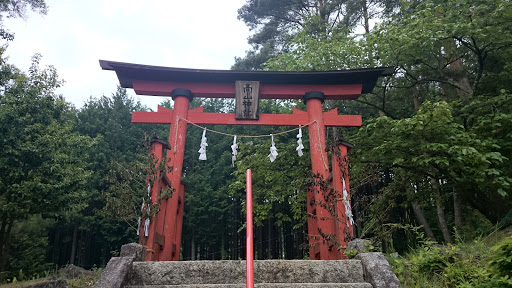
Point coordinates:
[(328, 232)]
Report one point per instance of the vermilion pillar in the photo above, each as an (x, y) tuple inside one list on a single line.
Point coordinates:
[(344, 229), (321, 229), (153, 242), (174, 206)]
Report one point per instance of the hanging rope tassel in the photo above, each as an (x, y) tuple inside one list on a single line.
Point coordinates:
[(273, 150), (233, 148), (202, 150), (299, 143)]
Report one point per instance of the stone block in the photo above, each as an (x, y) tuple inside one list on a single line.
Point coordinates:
[(133, 250), (377, 270), (116, 273), (359, 245)]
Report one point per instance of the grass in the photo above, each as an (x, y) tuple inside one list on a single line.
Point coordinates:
[(85, 280), (466, 264)]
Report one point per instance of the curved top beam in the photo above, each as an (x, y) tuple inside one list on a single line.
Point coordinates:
[(130, 74)]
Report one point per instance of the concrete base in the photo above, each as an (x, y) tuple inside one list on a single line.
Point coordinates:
[(233, 272), (369, 270), (265, 285)]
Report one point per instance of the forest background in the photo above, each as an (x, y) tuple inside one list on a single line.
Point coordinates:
[(433, 152)]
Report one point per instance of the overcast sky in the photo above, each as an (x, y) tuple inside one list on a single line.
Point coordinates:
[(74, 35)]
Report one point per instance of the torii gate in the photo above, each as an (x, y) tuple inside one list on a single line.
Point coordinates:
[(328, 232)]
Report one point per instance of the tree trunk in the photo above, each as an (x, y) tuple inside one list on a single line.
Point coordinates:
[(440, 212), (80, 249), (73, 245), (56, 248), (193, 250), (281, 240), (461, 76), (418, 212), (269, 237), (416, 99), (259, 243), (222, 248), (234, 236), (457, 211), (4, 246), (366, 18)]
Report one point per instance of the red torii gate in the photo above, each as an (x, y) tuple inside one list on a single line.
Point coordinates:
[(328, 232)]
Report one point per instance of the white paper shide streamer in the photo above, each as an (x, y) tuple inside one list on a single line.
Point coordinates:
[(234, 151), (299, 143), (140, 219), (146, 226), (147, 221), (348, 209), (273, 150), (202, 150)]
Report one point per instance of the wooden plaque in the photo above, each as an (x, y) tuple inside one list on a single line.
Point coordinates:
[(247, 100)]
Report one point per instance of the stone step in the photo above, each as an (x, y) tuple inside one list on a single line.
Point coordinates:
[(231, 272), (264, 285)]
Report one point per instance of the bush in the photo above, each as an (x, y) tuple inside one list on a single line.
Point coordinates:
[(29, 246), (473, 264)]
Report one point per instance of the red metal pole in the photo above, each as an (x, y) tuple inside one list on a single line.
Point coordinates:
[(249, 273)]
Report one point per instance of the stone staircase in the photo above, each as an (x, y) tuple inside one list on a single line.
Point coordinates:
[(371, 270), (267, 273)]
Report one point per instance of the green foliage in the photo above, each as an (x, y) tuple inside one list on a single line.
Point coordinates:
[(116, 160), (276, 23), (27, 257), (334, 49), (462, 265), (502, 261), (129, 185), (276, 183), (353, 253), (18, 8), (431, 144), (42, 160)]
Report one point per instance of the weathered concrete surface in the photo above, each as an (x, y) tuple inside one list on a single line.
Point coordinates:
[(133, 250), (265, 285), (377, 270), (116, 272), (359, 245), (232, 272)]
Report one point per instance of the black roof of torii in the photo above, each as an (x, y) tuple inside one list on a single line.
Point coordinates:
[(127, 72)]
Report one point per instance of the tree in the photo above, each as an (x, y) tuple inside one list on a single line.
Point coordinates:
[(18, 8), (277, 22), (431, 151), (42, 161), (454, 51), (119, 151)]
